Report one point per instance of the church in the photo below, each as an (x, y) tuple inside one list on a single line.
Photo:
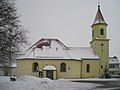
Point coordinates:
[(50, 58)]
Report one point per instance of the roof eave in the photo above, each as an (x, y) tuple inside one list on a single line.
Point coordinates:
[(94, 24)]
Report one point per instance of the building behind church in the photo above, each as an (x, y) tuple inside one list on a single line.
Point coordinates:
[(114, 67), (51, 58)]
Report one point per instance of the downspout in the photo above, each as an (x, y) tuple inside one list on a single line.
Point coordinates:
[(99, 65), (81, 70), (33, 61)]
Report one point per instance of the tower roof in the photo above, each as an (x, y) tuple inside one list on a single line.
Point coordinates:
[(99, 17)]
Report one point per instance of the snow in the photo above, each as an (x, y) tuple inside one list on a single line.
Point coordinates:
[(49, 67), (98, 21), (57, 50), (66, 85), (14, 65), (82, 52), (93, 79), (33, 83), (27, 83), (114, 60), (4, 79)]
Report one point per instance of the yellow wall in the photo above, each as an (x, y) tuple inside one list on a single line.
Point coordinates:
[(24, 67), (96, 28), (72, 67), (101, 51), (94, 68)]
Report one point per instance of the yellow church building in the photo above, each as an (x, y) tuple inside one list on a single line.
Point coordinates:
[(52, 59)]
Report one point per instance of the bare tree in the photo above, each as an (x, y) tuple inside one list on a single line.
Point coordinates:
[(12, 34)]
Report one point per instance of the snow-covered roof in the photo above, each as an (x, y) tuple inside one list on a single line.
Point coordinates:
[(13, 65), (49, 67), (82, 52), (114, 60), (55, 49)]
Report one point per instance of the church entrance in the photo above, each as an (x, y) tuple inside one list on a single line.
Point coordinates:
[(49, 71), (49, 74)]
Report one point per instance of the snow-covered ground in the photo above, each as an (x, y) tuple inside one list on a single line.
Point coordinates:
[(26, 83), (33, 83)]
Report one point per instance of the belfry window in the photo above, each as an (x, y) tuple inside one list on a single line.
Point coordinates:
[(101, 31), (87, 68), (35, 66), (63, 67)]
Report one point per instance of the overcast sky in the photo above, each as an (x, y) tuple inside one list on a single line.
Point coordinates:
[(70, 21)]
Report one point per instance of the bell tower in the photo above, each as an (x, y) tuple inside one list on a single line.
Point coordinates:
[(100, 43)]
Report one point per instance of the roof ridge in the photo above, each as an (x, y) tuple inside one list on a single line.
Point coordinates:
[(79, 47)]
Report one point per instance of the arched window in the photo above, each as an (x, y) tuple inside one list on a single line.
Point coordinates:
[(63, 67), (35, 66), (101, 31), (88, 68)]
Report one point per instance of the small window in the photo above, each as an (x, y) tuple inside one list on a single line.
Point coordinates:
[(35, 66), (101, 31), (102, 44), (88, 68), (63, 67), (102, 47), (101, 66), (92, 33)]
